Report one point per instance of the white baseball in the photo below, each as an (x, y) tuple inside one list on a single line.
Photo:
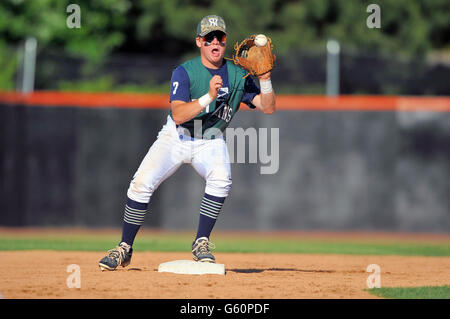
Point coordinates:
[(260, 40)]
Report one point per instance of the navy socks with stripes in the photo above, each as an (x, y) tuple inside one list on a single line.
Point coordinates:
[(209, 211), (132, 220), (135, 213)]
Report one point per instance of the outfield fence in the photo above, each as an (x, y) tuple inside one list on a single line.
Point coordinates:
[(348, 162)]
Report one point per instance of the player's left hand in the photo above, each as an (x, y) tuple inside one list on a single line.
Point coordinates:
[(256, 59)]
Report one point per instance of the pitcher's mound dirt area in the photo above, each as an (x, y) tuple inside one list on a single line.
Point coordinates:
[(43, 274)]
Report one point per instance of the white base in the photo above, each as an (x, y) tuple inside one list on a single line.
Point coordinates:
[(191, 267)]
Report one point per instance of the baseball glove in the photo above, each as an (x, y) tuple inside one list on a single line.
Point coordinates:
[(257, 60)]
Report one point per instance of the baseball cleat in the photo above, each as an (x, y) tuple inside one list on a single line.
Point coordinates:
[(119, 256), (200, 250)]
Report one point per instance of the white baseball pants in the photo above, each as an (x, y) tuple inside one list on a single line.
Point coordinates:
[(210, 159)]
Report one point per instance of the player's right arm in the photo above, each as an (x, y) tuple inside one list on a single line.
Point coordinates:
[(183, 109)]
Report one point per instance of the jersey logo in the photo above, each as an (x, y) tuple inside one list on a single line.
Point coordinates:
[(222, 93)]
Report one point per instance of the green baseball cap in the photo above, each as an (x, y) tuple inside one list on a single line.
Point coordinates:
[(210, 23)]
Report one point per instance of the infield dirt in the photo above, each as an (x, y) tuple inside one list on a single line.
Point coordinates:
[(43, 274)]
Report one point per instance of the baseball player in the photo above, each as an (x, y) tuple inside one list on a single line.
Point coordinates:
[(205, 94)]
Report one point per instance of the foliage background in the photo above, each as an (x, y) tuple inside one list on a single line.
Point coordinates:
[(410, 30)]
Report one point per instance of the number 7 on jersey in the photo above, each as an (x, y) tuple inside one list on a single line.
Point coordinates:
[(175, 87)]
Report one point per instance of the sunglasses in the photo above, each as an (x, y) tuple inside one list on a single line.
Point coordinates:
[(219, 35)]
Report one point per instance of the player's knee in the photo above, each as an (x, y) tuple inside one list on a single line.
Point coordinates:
[(226, 184), (219, 187), (140, 191)]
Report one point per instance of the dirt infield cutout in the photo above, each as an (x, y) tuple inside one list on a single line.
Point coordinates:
[(44, 274)]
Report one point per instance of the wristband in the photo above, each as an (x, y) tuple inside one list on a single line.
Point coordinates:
[(205, 100), (266, 86)]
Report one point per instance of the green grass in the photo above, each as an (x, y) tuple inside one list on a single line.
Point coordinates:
[(171, 243), (426, 292)]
